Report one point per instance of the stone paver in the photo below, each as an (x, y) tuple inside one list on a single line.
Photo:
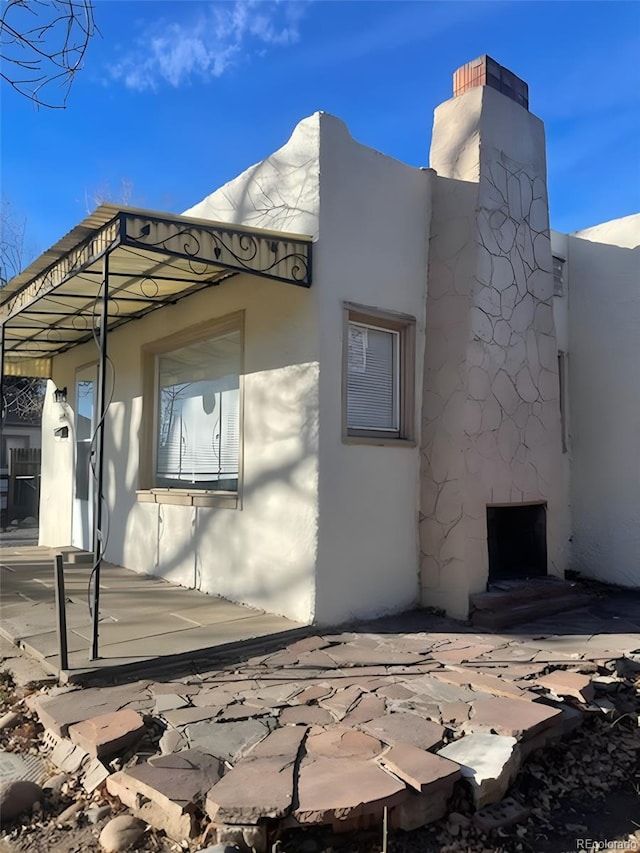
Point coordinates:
[(568, 684), (406, 728), (184, 716), (342, 788), (341, 742), (488, 762), (244, 795), (108, 734), (285, 741), (492, 684), (57, 713), (342, 700), (422, 770), (228, 741), (305, 714), (312, 694), (352, 655), (514, 717), (367, 708), (165, 790)]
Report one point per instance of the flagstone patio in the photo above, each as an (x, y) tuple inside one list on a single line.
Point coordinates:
[(330, 728)]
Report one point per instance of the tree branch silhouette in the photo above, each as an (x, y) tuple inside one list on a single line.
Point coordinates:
[(42, 45)]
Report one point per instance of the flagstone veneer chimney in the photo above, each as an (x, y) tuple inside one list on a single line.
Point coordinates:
[(491, 418)]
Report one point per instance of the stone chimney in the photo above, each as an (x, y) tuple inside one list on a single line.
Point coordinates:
[(491, 417)]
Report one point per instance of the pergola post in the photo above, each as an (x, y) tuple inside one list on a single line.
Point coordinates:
[(98, 497)]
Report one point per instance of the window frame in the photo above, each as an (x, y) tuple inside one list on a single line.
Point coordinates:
[(405, 327), (148, 491), (563, 393), (558, 264)]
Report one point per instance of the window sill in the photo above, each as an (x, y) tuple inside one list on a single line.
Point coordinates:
[(378, 441), (182, 497)]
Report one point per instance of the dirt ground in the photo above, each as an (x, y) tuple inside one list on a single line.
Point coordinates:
[(584, 791)]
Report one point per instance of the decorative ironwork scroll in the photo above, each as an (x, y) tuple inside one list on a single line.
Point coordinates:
[(287, 260)]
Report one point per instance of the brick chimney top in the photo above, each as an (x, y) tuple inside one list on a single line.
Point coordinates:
[(485, 71)]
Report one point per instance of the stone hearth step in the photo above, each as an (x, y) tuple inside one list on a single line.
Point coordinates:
[(509, 603)]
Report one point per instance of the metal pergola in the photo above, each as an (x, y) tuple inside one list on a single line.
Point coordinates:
[(116, 266)]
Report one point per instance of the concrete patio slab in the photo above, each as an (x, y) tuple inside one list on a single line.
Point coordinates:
[(143, 626), (44, 646), (143, 619)]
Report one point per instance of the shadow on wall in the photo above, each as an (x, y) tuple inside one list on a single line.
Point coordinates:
[(263, 554), (280, 192)]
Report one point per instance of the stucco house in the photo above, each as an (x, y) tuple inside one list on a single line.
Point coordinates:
[(339, 385)]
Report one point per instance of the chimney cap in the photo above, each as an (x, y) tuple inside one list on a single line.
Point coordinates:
[(485, 71)]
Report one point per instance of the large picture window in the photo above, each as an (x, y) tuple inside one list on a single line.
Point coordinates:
[(197, 417), (378, 375)]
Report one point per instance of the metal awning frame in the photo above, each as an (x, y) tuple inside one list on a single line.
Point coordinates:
[(157, 259), (203, 254)]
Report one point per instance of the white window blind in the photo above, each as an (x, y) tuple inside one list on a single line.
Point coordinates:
[(198, 415), (373, 378)]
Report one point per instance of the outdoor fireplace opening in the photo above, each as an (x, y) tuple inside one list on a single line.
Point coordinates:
[(517, 538)]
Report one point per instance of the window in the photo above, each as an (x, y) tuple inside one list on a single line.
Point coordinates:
[(378, 375), (194, 382), (558, 276), (563, 394)]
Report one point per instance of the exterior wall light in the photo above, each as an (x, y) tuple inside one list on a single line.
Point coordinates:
[(60, 395)]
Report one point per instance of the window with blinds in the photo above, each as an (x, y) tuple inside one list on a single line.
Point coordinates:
[(373, 378), (378, 375), (198, 414)]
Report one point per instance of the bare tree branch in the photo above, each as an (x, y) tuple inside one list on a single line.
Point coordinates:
[(43, 43), (103, 194), (12, 236), (22, 396)]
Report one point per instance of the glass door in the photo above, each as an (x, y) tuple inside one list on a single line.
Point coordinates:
[(85, 424)]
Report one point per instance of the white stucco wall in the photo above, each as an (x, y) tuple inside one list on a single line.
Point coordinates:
[(374, 225), (491, 432), (56, 469), (604, 346), (280, 192), (371, 250), (560, 249), (326, 531), (262, 554)]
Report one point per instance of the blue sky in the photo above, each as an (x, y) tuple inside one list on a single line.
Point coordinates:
[(175, 98)]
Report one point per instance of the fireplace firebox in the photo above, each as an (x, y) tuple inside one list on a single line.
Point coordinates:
[(517, 536)]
